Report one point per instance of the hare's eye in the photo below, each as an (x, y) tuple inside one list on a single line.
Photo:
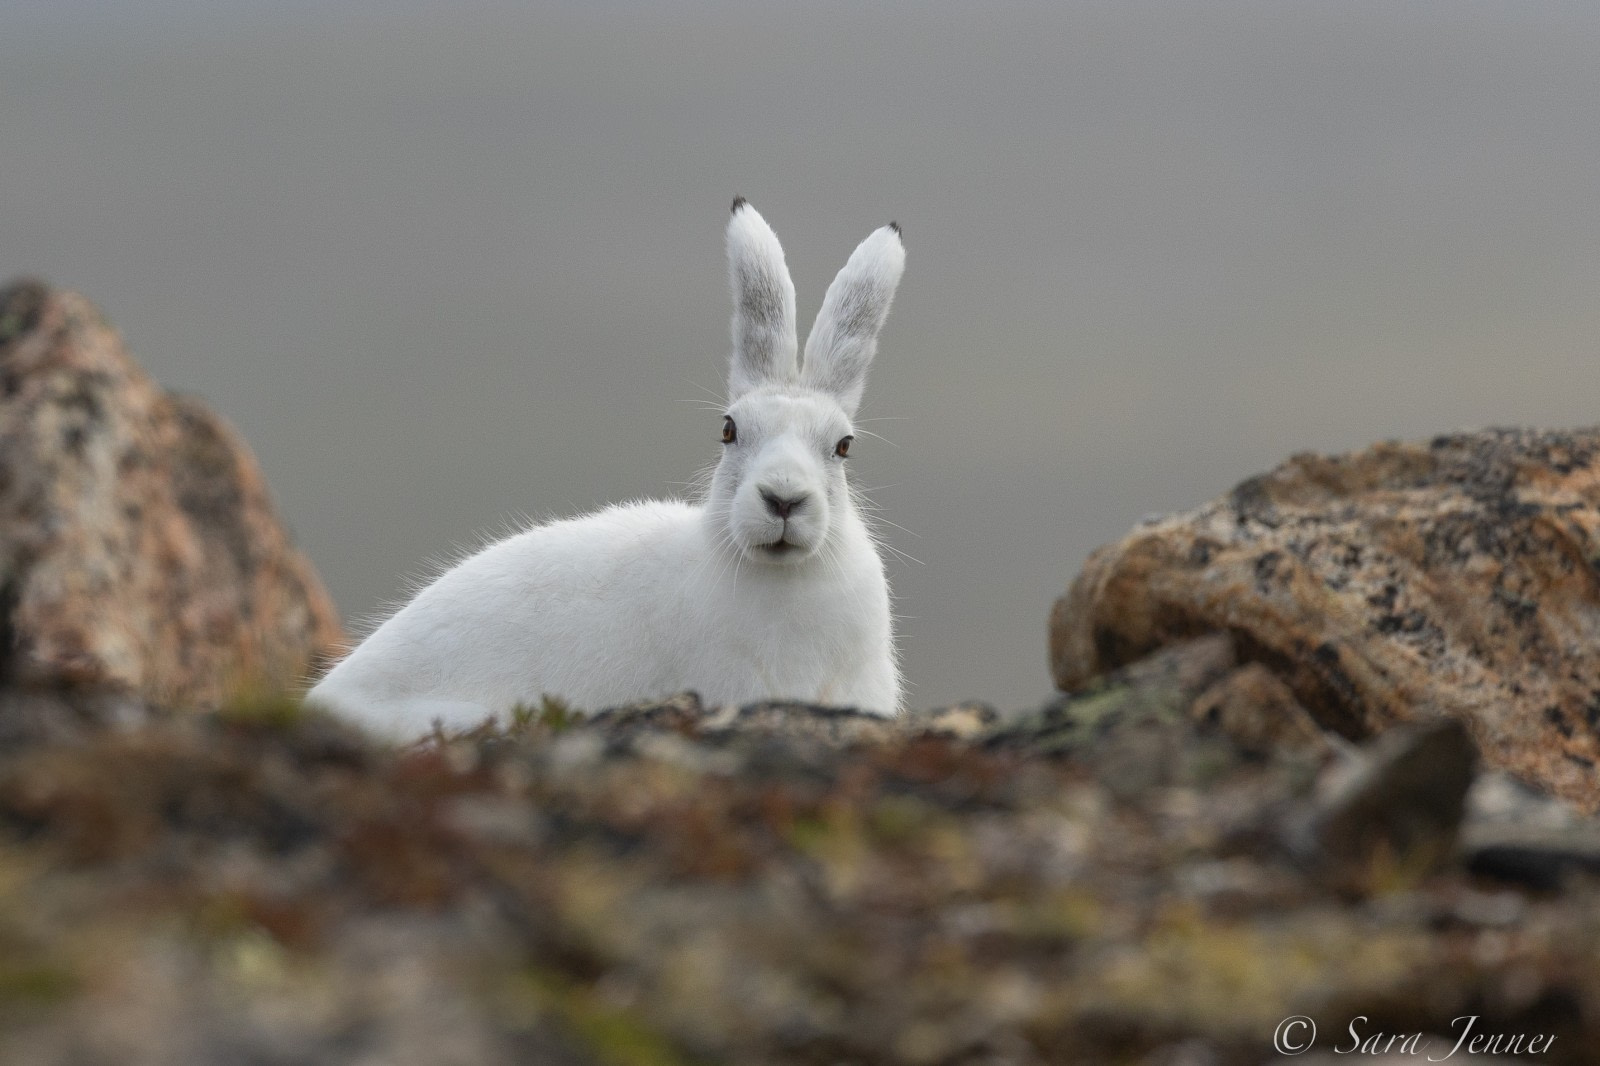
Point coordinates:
[(730, 432), (843, 450)]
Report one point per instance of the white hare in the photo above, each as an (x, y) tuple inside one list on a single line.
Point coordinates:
[(771, 588)]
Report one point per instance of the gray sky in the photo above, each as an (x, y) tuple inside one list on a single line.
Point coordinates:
[(445, 265)]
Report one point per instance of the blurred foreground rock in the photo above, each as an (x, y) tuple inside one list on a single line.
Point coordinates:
[(1454, 579), (139, 552), (1112, 878)]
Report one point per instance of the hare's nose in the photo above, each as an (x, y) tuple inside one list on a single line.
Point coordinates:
[(781, 506)]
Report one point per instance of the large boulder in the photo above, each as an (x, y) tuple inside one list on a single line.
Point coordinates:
[(139, 551), (1456, 578)]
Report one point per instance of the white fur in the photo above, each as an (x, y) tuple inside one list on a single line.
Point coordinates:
[(643, 600)]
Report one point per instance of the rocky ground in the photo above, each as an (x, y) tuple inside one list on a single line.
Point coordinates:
[(1118, 877), (1324, 757)]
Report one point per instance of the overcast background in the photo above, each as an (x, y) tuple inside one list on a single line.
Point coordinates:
[(448, 264)]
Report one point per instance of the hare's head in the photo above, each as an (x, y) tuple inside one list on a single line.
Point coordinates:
[(787, 430)]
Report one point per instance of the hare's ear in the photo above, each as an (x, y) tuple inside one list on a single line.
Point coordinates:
[(845, 336), (763, 304)]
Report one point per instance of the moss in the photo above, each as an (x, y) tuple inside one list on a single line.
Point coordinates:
[(31, 966), (615, 1035), (550, 713), (272, 708), (1080, 720), (898, 819), (1071, 914), (1215, 976), (35, 983)]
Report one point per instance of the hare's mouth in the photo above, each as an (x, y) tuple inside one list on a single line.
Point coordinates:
[(778, 547)]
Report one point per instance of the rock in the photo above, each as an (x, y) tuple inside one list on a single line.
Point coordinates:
[(1514, 834), (961, 721), (1456, 578), (1393, 816), (1540, 860), (1134, 728), (139, 550), (1159, 687), (1499, 801), (1259, 713)]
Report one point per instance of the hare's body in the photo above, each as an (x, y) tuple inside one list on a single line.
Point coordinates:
[(772, 588), (546, 628)]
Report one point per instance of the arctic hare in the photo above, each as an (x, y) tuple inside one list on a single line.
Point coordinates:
[(769, 588)]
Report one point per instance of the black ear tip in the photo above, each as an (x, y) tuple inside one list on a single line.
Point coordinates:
[(738, 202), (896, 227)]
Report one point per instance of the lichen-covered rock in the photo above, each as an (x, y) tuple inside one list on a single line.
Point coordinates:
[(1457, 578), (1137, 721), (139, 551)]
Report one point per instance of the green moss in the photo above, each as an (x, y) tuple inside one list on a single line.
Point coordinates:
[(1070, 914), (1200, 973), (616, 1036), (273, 709), (837, 843), (36, 983), (898, 819), (551, 713), (1075, 721)]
